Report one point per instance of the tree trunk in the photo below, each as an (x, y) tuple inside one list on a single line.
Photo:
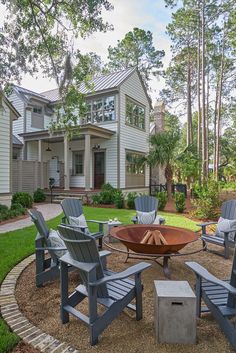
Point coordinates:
[(169, 180), (199, 95), (215, 127), (189, 106), (207, 121), (204, 161), (218, 121)]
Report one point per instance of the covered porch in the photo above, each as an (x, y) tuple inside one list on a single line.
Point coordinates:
[(80, 163)]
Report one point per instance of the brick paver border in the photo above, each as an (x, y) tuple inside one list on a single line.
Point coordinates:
[(19, 323)]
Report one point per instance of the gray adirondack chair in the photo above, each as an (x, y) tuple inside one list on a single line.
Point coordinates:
[(46, 268), (219, 297), (145, 203), (73, 208), (115, 291), (228, 211)]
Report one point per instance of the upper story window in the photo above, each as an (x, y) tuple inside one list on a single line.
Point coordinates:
[(100, 110), (37, 117), (135, 114)]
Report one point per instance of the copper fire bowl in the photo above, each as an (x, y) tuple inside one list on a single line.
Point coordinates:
[(131, 236)]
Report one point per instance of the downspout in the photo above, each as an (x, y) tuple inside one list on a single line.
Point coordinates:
[(24, 128)]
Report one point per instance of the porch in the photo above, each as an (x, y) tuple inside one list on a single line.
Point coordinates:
[(82, 162)]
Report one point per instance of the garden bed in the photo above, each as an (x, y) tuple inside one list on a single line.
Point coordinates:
[(42, 307)]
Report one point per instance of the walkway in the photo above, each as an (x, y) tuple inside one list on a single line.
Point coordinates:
[(49, 210)]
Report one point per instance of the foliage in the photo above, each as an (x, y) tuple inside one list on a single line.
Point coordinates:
[(39, 195), (162, 200), (207, 200), (229, 186), (96, 199), (22, 198), (15, 210), (136, 49), (179, 202), (130, 200), (119, 199)]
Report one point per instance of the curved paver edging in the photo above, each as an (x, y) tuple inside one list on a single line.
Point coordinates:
[(19, 323)]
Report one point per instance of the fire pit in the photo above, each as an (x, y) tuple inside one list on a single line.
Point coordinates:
[(176, 239)]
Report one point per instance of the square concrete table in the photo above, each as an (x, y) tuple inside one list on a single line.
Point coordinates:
[(109, 225), (175, 312)]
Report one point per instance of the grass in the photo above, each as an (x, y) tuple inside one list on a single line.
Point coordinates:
[(16, 245)]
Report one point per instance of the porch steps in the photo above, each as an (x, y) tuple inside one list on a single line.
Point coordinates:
[(57, 197)]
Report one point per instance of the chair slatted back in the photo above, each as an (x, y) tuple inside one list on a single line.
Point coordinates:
[(72, 207), (228, 210), (146, 203), (39, 221), (83, 248)]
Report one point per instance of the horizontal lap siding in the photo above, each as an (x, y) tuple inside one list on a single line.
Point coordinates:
[(131, 138), (5, 149), (18, 125)]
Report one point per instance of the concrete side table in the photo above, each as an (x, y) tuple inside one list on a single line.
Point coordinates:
[(108, 227), (175, 312)]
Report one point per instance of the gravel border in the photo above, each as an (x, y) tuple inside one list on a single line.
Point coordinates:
[(19, 324)]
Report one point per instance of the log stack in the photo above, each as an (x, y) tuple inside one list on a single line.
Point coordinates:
[(153, 237)]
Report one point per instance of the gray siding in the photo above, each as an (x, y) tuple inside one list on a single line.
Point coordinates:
[(132, 138), (5, 149), (18, 125)]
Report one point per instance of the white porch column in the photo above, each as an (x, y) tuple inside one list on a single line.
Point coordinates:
[(87, 161), (40, 159), (66, 164)]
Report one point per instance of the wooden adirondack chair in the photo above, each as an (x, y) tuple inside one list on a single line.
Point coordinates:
[(145, 203), (219, 297), (73, 208), (115, 291), (228, 211)]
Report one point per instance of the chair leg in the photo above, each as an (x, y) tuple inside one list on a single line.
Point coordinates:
[(226, 250), (100, 243), (198, 295), (64, 292), (139, 304)]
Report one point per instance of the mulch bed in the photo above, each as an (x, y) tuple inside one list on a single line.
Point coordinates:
[(42, 307), (24, 348)]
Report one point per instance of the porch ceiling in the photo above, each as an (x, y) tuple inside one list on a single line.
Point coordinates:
[(87, 129)]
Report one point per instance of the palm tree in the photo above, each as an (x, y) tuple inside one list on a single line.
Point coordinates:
[(162, 152)]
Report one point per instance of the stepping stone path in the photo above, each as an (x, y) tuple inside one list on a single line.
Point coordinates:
[(19, 323)]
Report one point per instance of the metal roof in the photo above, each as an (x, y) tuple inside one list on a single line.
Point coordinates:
[(16, 141), (28, 93), (97, 84)]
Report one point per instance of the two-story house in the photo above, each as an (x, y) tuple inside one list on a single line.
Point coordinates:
[(113, 133)]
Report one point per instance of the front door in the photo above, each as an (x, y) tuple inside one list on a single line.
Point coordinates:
[(99, 169)]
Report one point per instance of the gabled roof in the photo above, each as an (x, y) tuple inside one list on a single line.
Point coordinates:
[(27, 94), (98, 84), (15, 113)]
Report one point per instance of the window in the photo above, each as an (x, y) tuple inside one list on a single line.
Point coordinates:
[(37, 117), (37, 110), (78, 163), (135, 114), (135, 173), (100, 110)]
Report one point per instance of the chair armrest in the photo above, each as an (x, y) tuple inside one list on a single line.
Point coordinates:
[(124, 274), (205, 224), (203, 273), (104, 253), (50, 248), (95, 221), (134, 219), (64, 220), (84, 266)]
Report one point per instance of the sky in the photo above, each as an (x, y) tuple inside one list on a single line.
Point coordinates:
[(127, 14)]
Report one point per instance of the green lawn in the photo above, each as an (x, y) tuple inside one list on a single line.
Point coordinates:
[(16, 245)]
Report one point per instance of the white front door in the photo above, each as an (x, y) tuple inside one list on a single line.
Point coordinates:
[(54, 170)]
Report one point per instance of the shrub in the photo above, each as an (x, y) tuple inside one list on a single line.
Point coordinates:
[(119, 199), (107, 195), (14, 211), (18, 208), (179, 202), (3, 208), (207, 202), (130, 200), (39, 195), (22, 198), (96, 199), (162, 199)]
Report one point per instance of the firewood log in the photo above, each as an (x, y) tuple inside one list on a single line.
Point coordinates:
[(146, 236)]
